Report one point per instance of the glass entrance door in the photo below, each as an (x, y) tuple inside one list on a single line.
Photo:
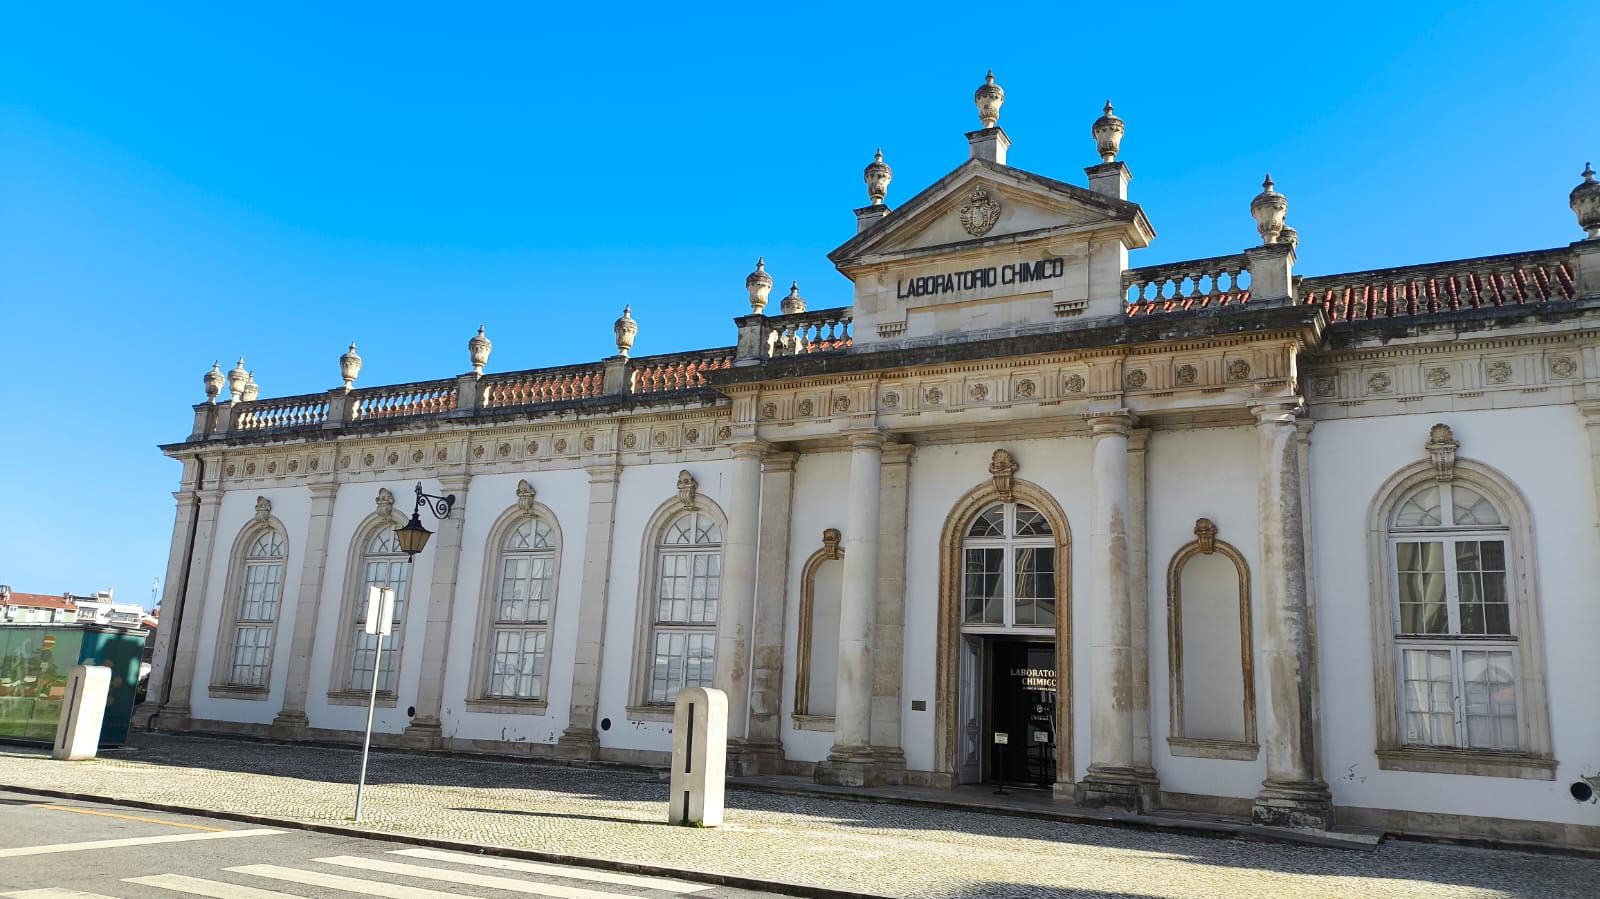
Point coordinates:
[(1022, 707)]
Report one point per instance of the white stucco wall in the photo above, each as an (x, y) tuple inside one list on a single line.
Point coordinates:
[(821, 483), (1544, 453), (1204, 473)]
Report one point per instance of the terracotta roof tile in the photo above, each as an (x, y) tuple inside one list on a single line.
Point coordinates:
[(39, 601)]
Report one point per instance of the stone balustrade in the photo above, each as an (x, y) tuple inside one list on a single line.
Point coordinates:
[(403, 400), (1195, 283), (308, 410), (546, 385), (1515, 279), (822, 331), (683, 371)]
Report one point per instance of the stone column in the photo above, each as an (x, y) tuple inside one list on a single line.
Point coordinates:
[(850, 763), (1112, 779), (174, 714), (424, 729), (1293, 794), (1303, 445), (1590, 408), (173, 588), (736, 601), (1139, 609), (581, 740), (772, 589), (291, 722), (888, 635)]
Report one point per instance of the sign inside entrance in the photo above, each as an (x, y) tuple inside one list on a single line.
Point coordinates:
[(1001, 738), (380, 610)]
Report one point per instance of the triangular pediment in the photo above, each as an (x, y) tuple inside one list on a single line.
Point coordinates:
[(981, 203)]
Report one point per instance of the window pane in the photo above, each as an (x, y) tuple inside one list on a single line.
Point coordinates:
[(252, 653), (681, 659), (1472, 508), (517, 668), (1035, 586), (1481, 582), (990, 523), (1427, 689), (1419, 510), (1420, 568), (1491, 700), (984, 586), (1030, 523)]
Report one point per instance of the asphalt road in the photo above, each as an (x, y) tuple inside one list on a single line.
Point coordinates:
[(57, 849)]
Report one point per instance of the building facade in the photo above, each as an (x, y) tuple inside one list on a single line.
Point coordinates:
[(1210, 535)]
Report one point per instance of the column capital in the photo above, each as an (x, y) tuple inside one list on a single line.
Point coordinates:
[(603, 473), (747, 447), (1138, 440), (1591, 411), (323, 490), (1111, 421), (872, 439), (455, 481), (1281, 411), (899, 453), (779, 461)]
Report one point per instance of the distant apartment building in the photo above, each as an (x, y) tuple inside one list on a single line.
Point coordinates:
[(35, 608)]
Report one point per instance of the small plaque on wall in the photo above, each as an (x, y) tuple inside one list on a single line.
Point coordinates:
[(1001, 738)]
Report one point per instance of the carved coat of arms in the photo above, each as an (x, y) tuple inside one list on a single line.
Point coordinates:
[(980, 213)]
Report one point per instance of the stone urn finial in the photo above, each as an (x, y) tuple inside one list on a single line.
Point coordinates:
[(1269, 208), (794, 303), (989, 96), (877, 176), (350, 366), (1585, 200), (251, 391), (625, 329), (1289, 236), (759, 283), (237, 378), (213, 381), (1107, 133), (478, 350)]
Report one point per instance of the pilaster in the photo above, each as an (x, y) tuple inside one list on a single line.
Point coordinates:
[(581, 739), (736, 600), (174, 587), (425, 728), (888, 636), (290, 722), (1139, 608), (1293, 795), (772, 586), (174, 712)]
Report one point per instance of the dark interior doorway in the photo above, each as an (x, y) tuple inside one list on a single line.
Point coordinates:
[(1022, 706)]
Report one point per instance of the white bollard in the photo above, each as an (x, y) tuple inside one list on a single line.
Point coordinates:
[(82, 713), (699, 757)]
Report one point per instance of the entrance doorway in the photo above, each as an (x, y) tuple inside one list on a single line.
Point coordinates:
[(1008, 711)]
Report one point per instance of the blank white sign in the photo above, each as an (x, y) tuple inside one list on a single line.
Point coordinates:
[(380, 610)]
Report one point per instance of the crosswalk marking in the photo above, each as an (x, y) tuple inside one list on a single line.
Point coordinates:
[(216, 889), (467, 878), (510, 864), (53, 893), (339, 882), (21, 851)]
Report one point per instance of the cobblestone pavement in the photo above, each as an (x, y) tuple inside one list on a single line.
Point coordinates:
[(881, 849)]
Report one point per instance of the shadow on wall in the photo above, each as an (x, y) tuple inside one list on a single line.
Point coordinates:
[(614, 795)]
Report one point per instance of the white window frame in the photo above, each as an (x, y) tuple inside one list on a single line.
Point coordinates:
[(491, 628), (225, 668), (1009, 543), (1533, 758), (647, 703), (355, 678)]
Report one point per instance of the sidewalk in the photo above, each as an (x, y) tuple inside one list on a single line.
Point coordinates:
[(777, 833)]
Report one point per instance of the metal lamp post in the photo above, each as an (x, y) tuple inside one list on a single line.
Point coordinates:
[(413, 538)]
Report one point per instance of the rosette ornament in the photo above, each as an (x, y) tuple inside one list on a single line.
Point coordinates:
[(350, 366), (989, 96), (1107, 131), (478, 351), (1268, 208), (625, 329), (877, 176), (1585, 200), (759, 284)]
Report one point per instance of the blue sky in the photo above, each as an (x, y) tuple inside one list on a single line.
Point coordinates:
[(184, 184)]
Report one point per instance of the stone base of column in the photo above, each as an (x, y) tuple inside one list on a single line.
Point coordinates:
[(1126, 789), (1304, 805), (422, 733), (577, 744), (173, 717), (850, 766), (891, 764), (748, 759), (288, 725)]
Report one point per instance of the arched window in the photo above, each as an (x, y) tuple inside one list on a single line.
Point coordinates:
[(259, 593), (1455, 633), (524, 600), (382, 564), (683, 606), (1008, 570)]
